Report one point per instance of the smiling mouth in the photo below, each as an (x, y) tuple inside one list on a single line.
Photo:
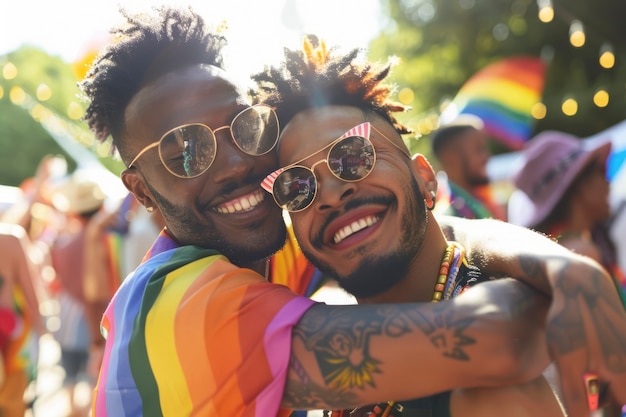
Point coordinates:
[(355, 226), (242, 204)]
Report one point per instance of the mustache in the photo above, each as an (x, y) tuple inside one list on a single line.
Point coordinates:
[(318, 239), (232, 187)]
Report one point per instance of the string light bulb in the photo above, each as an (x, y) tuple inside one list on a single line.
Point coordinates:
[(601, 98), (577, 33), (546, 10), (569, 107), (607, 57)]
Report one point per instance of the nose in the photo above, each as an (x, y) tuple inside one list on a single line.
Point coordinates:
[(230, 162), (331, 191)]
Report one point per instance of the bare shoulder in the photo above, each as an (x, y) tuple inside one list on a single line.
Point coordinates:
[(582, 246), (11, 236)]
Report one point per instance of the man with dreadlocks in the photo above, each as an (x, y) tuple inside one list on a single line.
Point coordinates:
[(361, 209), (197, 329)]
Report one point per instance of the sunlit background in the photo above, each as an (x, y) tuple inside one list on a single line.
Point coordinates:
[(257, 30)]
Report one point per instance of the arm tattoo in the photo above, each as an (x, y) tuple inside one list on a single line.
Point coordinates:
[(305, 394), (341, 340), (602, 313), (531, 266)]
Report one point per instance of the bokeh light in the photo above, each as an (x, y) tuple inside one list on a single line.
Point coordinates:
[(43, 92), (9, 71), (569, 107), (406, 96), (601, 98), (17, 95), (577, 34), (607, 57), (539, 111)]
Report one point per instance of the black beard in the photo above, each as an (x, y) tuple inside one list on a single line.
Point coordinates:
[(378, 274)]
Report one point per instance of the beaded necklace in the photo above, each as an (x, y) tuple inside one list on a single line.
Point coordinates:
[(453, 257)]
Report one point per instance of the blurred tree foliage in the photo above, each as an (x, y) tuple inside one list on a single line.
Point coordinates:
[(442, 43), (30, 77)]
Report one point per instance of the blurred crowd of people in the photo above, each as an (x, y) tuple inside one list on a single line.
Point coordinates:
[(66, 245)]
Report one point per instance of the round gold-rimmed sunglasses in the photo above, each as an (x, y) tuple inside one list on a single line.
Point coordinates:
[(187, 151), (351, 158)]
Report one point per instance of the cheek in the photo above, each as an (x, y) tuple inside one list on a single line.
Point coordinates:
[(301, 227), (267, 162)]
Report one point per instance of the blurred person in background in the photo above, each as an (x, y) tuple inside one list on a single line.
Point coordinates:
[(562, 191), (80, 198), (20, 320), (116, 242), (33, 210), (461, 148)]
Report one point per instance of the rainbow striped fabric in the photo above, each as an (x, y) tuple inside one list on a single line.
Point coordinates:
[(503, 95), (190, 334), (290, 267)]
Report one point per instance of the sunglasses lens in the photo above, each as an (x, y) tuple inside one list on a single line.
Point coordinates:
[(188, 151), (351, 159), (294, 188), (256, 130)]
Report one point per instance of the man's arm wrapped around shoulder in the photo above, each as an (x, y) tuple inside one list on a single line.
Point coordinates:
[(344, 356)]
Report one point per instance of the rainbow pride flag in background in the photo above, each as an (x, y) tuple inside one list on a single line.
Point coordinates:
[(503, 94)]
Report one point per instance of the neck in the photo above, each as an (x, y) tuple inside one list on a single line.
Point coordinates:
[(261, 267), (418, 283), (579, 218)]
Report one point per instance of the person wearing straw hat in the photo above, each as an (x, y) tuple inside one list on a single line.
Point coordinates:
[(80, 198)]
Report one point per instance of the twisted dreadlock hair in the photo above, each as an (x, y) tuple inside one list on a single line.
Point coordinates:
[(315, 77), (146, 47)]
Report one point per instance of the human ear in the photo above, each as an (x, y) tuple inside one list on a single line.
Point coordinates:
[(425, 171), (134, 182)]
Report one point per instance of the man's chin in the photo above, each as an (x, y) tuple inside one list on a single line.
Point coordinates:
[(254, 251)]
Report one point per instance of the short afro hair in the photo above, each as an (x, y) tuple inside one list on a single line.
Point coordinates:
[(447, 133), (316, 77), (146, 46)]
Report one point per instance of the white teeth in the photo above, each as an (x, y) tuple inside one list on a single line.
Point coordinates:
[(354, 227), (242, 204)]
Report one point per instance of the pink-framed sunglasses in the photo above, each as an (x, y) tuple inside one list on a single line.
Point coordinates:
[(351, 157)]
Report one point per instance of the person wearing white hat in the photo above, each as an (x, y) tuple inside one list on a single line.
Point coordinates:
[(80, 198)]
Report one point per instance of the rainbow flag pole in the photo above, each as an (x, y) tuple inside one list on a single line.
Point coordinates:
[(503, 94)]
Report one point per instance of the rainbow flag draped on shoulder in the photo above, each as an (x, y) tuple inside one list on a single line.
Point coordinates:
[(503, 94), (190, 334)]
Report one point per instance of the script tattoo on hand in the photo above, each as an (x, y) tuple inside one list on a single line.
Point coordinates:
[(341, 340)]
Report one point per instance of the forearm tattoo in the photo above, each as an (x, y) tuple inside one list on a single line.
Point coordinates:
[(341, 340)]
